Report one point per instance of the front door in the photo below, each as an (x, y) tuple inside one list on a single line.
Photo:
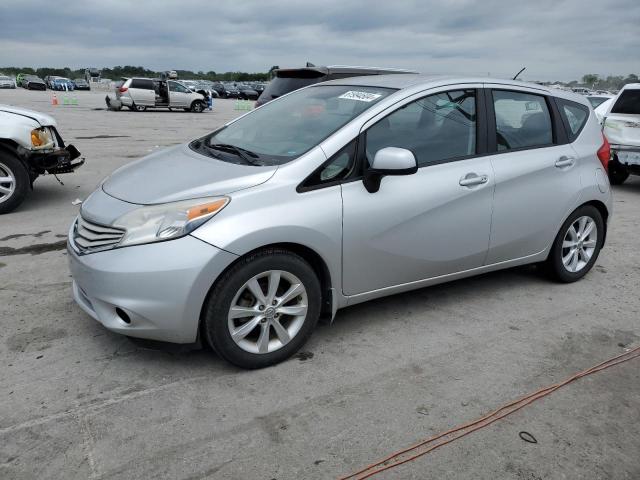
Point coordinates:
[(178, 95), (432, 223)]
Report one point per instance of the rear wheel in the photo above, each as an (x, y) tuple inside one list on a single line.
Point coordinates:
[(577, 245), (14, 182), (263, 309), (137, 108), (618, 173)]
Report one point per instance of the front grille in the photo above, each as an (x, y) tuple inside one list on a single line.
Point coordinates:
[(89, 236)]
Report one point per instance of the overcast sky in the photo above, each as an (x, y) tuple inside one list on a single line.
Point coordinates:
[(554, 39)]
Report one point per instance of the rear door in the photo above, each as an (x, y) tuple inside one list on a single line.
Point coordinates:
[(142, 92), (434, 222), (537, 181)]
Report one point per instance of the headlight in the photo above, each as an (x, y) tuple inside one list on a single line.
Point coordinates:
[(167, 221), (41, 138)]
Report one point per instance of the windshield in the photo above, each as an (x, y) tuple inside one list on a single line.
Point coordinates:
[(628, 102), (285, 129)]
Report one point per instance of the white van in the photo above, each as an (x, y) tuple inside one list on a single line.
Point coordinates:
[(138, 94)]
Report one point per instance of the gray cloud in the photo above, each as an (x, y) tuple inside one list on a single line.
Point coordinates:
[(555, 39)]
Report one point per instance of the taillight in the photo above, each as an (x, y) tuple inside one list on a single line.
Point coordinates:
[(604, 153), (123, 89)]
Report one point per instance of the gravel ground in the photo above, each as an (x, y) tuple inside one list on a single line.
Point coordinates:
[(79, 402)]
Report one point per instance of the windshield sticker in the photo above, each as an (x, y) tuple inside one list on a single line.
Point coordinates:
[(360, 96)]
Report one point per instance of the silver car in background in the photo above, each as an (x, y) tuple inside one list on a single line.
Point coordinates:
[(336, 194)]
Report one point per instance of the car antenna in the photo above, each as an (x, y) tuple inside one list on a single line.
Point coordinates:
[(517, 74)]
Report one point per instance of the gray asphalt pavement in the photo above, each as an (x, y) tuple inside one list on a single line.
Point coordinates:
[(78, 402)]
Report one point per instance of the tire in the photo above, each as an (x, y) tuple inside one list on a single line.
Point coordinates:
[(197, 106), (12, 193), (561, 264), (137, 108), (231, 290), (618, 173)]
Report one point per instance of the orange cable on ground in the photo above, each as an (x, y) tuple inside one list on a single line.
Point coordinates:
[(396, 459)]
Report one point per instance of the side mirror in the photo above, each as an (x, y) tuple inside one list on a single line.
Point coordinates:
[(389, 161)]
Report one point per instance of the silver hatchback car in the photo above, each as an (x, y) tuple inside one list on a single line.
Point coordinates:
[(335, 194)]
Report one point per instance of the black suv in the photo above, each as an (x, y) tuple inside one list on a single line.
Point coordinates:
[(290, 79)]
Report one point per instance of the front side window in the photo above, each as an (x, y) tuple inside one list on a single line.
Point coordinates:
[(283, 130), (522, 120), (436, 128), (176, 87)]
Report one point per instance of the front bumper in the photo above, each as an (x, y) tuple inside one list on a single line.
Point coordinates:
[(160, 286)]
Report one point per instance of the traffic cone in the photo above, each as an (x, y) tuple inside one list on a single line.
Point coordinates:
[(54, 100)]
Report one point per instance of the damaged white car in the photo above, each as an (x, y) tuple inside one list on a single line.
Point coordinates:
[(30, 146), (621, 125)]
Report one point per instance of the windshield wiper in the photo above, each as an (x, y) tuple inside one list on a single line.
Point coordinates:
[(241, 152)]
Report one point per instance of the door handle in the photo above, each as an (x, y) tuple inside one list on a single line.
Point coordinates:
[(471, 179), (565, 162)]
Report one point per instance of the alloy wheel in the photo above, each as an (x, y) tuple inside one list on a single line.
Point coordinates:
[(268, 311), (7, 183), (579, 244)]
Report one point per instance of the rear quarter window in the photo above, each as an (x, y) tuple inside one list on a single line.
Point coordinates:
[(574, 117)]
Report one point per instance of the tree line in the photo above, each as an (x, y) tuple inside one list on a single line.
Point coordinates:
[(118, 72), (591, 80)]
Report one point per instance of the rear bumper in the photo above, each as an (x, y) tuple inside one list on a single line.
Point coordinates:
[(160, 286), (627, 154)]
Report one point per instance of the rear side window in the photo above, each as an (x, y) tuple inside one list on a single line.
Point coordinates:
[(143, 83), (574, 116), (522, 120), (628, 102)]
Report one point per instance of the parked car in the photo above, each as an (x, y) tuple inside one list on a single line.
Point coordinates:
[(247, 93), (30, 145), (259, 87), (226, 91), (32, 82), (601, 110), (597, 99), (138, 94), (81, 84), (7, 82), (62, 84), (621, 125), (290, 79), (48, 80), (336, 194)]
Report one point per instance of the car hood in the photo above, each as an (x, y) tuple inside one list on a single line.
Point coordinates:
[(41, 118), (179, 173)]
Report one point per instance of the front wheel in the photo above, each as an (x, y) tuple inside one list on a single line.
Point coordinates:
[(197, 107), (263, 309), (14, 182), (577, 245)]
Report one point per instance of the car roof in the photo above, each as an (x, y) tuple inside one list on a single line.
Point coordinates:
[(406, 81), (331, 69), (410, 80)]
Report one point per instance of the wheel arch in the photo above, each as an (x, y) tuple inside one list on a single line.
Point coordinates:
[(604, 211), (319, 266)]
